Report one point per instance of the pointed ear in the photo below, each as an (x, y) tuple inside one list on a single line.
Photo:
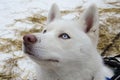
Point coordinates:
[(90, 17), (91, 28), (54, 13)]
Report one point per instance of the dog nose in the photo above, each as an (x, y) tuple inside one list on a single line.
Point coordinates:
[(29, 38)]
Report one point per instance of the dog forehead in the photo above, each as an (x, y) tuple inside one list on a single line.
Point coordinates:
[(63, 24)]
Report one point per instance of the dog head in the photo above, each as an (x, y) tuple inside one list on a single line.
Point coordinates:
[(63, 42)]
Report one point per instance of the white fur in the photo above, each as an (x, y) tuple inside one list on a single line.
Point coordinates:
[(78, 57)]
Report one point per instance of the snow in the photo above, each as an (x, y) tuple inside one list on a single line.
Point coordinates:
[(11, 10)]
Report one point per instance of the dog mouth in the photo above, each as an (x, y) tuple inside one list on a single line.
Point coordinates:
[(41, 59), (51, 60), (28, 51)]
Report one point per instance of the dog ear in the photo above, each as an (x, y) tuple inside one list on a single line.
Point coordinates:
[(90, 18), (54, 13)]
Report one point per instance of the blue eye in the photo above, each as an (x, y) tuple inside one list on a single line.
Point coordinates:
[(64, 36)]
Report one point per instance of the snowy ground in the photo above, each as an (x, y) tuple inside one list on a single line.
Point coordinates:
[(19, 17)]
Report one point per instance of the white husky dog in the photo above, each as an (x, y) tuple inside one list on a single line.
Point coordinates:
[(66, 49)]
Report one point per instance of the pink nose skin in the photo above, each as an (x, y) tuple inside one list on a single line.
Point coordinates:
[(29, 38)]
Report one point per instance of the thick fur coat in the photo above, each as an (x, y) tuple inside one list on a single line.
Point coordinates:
[(66, 49)]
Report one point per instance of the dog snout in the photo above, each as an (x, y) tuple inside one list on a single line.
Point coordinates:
[(29, 38)]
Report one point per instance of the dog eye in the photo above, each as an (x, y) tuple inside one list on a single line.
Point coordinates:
[(44, 31), (64, 36)]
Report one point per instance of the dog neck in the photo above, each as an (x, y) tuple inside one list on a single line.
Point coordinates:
[(64, 73)]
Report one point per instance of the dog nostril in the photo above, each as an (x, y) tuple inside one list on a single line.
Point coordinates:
[(29, 38)]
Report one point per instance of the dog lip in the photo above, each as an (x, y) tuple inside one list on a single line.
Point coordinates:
[(28, 53), (27, 49), (52, 60), (46, 60)]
